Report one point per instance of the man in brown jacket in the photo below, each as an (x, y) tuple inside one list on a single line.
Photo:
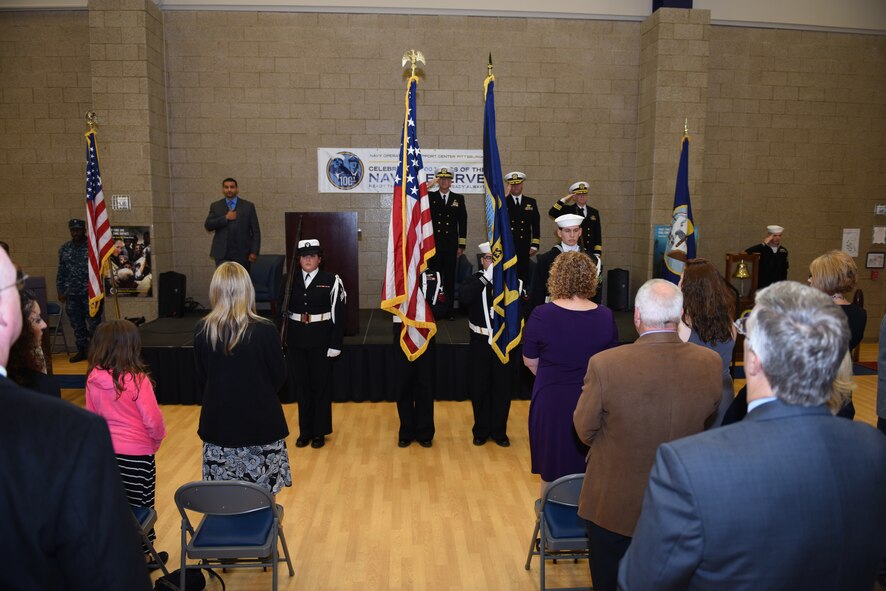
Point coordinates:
[(634, 398)]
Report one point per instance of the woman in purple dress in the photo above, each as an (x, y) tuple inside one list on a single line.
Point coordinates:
[(558, 341)]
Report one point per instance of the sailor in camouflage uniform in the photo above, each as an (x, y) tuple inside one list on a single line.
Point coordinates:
[(72, 281)]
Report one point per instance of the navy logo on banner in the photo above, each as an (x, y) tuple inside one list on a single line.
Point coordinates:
[(344, 170)]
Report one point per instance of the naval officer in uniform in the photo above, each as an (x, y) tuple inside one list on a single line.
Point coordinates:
[(525, 221), (313, 339), (577, 203), (450, 219)]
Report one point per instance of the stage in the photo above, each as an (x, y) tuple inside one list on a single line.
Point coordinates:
[(366, 371)]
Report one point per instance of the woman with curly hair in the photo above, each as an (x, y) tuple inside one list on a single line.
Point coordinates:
[(707, 319), (240, 370), (27, 365), (559, 339)]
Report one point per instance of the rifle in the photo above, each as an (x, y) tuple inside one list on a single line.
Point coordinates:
[(293, 265)]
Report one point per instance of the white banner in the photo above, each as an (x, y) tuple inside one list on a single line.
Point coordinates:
[(372, 170)]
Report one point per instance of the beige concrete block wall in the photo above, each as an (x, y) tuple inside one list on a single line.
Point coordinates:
[(252, 95), (45, 90), (795, 136)]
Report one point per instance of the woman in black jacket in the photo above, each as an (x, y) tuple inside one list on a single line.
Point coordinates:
[(240, 370)]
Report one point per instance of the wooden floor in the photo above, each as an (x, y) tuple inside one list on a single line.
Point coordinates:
[(364, 514)]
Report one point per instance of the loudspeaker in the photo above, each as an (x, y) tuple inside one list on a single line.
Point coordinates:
[(617, 286), (171, 295)]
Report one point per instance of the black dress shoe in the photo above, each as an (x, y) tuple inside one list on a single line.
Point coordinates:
[(80, 356), (479, 440), (164, 557), (427, 443), (404, 443), (302, 441), (318, 442), (451, 317), (503, 442)]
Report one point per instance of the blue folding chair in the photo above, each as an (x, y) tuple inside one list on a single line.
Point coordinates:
[(145, 518), (559, 531)]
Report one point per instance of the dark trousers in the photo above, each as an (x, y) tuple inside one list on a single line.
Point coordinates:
[(490, 386), (606, 549), (243, 262), (312, 370), (445, 261), (415, 396), (84, 325)]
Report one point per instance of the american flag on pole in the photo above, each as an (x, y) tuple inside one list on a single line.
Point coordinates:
[(507, 324), (410, 241), (98, 226)]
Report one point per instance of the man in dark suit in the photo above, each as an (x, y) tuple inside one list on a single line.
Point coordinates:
[(313, 339), (450, 218), (634, 398), (791, 497), (525, 222), (235, 223), (577, 203), (66, 523)]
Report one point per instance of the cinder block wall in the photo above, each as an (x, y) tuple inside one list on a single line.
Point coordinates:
[(793, 126)]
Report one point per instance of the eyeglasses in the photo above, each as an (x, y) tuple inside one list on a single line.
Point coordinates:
[(740, 325), (486, 257), (19, 283)]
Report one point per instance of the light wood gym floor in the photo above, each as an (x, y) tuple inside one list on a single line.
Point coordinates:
[(364, 514)]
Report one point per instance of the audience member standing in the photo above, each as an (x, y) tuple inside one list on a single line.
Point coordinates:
[(450, 218), (881, 379), (707, 320), (235, 223), (66, 523), (313, 339), (634, 398), (789, 498), (773, 257), (119, 389), (490, 382), (72, 284), (27, 364), (558, 340), (240, 370), (525, 222)]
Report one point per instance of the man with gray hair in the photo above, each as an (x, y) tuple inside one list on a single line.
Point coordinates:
[(634, 398), (789, 498)]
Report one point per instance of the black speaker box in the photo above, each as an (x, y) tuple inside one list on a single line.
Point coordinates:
[(618, 283), (171, 295)]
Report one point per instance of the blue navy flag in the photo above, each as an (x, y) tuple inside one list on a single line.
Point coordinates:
[(682, 235), (507, 324)]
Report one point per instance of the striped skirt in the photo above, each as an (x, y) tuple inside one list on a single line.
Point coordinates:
[(139, 475)]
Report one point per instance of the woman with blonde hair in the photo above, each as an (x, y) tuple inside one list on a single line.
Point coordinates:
[(559, 339), (240, 370)]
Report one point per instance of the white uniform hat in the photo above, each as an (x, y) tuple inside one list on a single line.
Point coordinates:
[(311, 246), (484, 248), (774, 229), (515, 178), (580, 188), (569, 220)]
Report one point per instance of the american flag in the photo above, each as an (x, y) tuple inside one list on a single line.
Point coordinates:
[(410, 241), (98, 226)]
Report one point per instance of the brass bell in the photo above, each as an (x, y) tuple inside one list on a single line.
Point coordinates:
[(742, 271)]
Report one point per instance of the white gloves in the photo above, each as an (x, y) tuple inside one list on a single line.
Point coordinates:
[(333, 352)]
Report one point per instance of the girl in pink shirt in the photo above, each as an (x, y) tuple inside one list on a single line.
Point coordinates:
[(119, 389)]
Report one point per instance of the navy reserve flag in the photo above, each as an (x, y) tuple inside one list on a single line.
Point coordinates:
[(682, 235), (507, 324)]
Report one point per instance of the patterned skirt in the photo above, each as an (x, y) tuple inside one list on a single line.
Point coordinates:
[(265, 465)]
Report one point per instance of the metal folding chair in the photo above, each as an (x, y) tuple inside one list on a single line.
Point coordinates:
[(239, 528), (559, 531), (145, 518), (55, 313)]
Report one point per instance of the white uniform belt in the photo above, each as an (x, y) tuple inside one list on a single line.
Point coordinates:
[(309, 318), (478, 329)]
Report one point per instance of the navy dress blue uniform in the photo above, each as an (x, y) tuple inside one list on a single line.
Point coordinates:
[(591, 234), (417, 387), (72, 282), (450, 220), (773, 265), (525, 229), (316, 324), (491, 383)]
